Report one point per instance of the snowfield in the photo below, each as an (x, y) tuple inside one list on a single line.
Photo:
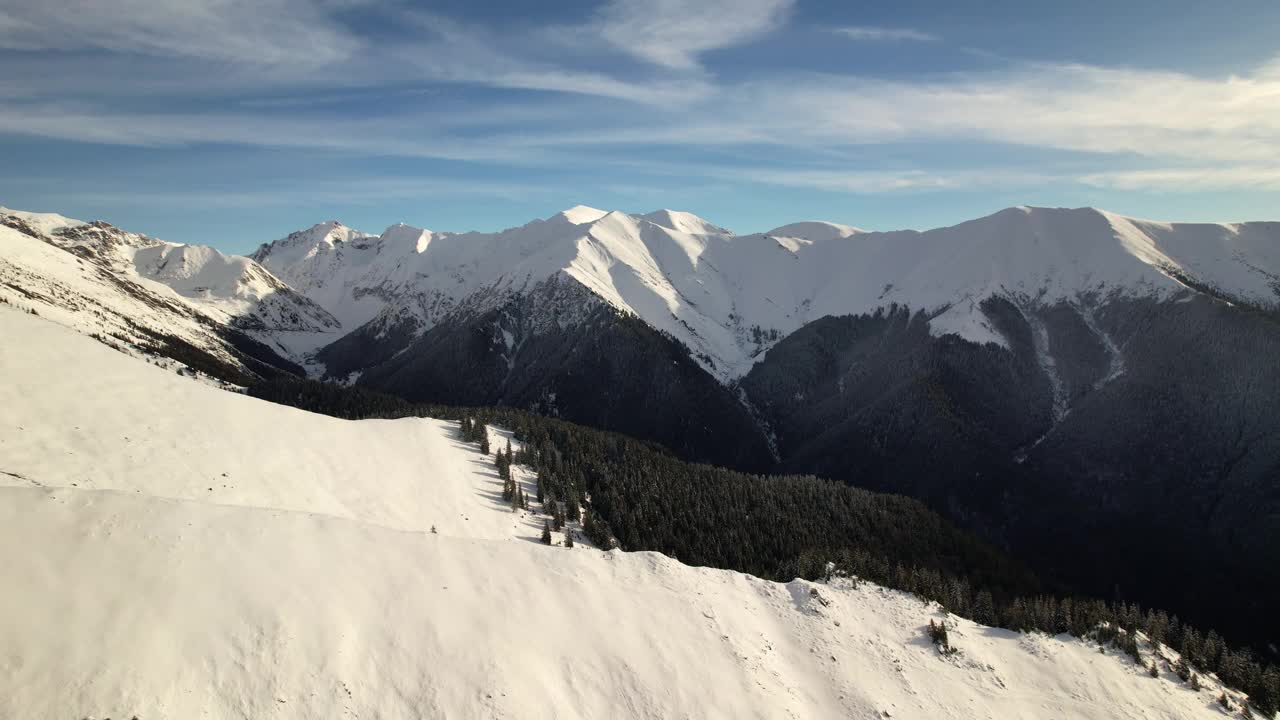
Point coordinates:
[(171, 550)]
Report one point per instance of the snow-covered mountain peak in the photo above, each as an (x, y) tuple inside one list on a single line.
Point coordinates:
[(684, 222), (319, 238), (814, 231), (581, 214), (401, 237), (44, 223)]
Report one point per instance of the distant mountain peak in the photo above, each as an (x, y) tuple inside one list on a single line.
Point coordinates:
[(582, 214), (685, 222), (815, 231)]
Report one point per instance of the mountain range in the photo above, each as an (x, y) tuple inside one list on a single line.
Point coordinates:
[(1097, 394)]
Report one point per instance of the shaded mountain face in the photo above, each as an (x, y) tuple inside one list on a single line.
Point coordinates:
[(560, 351), (1130, 449), (1093, 392)]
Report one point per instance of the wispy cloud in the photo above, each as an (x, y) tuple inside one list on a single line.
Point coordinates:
[(351, 191), (1073, 107), (1196, 179), (261, 32), (455, 52), (394, 136), (290, 72), (673, 33), (883, 34), (890, 181)]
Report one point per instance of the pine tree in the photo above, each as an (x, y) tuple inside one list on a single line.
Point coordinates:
[(1194, 682), (484, 440), (1210, 651), (1265, 696), (546, 533), (938, 634), (568, 539), (984, 608), (1191, 645), (574, 511)]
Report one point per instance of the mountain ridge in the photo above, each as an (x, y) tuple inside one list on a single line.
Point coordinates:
[(713, 290)]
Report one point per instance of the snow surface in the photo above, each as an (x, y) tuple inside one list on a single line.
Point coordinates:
[(175, 551), (713, 289)]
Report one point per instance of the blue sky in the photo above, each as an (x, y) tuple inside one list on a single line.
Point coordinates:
[(232, 122)]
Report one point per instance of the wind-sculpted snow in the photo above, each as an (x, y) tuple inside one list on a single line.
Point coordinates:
[(169, 550)]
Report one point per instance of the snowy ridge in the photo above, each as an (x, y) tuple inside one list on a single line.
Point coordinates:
[(227, 289), (96, 299), (729, 297), (224, 573), (814, 231)]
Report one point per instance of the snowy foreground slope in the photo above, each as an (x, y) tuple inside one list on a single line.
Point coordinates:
[(175, 551)]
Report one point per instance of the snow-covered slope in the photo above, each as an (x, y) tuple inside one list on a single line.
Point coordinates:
[(97, 299), (226, 289), (167, 553), (730, 297)]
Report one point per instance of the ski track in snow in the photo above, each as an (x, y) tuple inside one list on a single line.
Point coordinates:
[(199, 553)]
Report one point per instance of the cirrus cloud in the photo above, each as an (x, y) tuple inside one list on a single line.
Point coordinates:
[(672, 33), (866, 32)]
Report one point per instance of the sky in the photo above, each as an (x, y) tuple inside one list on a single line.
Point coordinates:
[(235, 122)]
